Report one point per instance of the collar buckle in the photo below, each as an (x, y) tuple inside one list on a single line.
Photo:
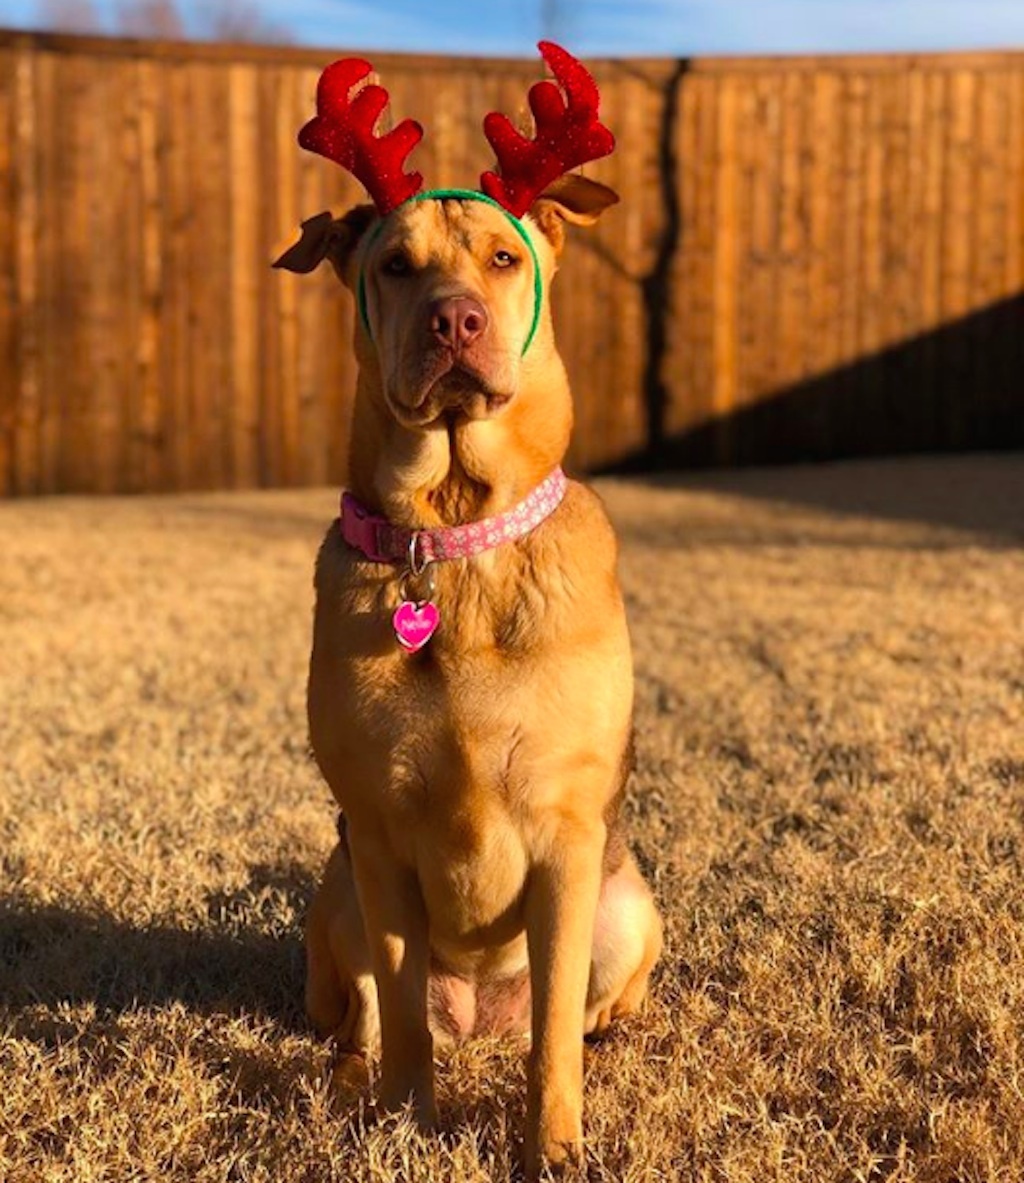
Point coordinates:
[(362, 530)]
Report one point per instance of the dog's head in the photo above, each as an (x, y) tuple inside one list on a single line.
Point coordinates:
[(452, 285), (452, 293)]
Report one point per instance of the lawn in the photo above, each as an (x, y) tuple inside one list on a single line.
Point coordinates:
[(829, 802)]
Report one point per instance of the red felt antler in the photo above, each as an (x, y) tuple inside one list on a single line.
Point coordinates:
[(568, 134), (343, 132)]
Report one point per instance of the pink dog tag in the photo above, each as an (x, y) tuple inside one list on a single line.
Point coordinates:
[(415, 624)]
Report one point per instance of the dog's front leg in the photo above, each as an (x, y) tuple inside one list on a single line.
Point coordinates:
[(561, 908), (397, 933)]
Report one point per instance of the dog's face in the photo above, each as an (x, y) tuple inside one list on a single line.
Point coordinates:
[(449, 293), (450, 301)]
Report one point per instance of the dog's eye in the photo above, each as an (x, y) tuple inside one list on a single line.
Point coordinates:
[(397, 264), (504, 259)]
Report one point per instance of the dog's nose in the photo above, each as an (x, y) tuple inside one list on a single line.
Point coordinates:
[(457, 321)]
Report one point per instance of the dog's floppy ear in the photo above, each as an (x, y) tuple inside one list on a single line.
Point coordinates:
[(325, 235), (571, 198)]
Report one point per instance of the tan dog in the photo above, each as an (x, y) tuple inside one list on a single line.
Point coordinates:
[(481, 883)]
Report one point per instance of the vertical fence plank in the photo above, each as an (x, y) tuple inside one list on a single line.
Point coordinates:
[(246, 258), (285, 419), (703, 231), (905, 398), (28, 214), (725, 294), (110, 258), (871, 296), (958, 248), (148, 447), (762, 290), (9, 376), (747, 329), (209, 244), (786, 424), (684, 413), (179, 211), (990, 246), (1012, 355), (62, 276), (931, 256), (627, 256), (894, 323), (279, 227), (846, 419), (307, 418), (824, 278), (1013, 273)]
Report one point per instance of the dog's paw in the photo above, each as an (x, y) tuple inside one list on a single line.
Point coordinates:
[(350, 1081), (424, 1114), (419, 1102), (557, 1147)]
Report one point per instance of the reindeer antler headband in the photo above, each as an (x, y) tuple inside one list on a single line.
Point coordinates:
[(568, 133)]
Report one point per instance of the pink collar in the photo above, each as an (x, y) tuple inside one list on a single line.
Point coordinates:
[(381, 542)]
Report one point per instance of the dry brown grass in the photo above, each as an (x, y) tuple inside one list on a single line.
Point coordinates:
[(828, 800)]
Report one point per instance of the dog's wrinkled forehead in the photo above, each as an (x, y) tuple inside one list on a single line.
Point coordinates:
[(444, 233)]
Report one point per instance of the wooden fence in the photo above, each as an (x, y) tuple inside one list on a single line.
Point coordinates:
[(814, 257)]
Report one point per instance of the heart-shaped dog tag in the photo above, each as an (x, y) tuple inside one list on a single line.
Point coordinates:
[(415, 624)]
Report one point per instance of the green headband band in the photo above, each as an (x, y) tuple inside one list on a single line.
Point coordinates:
[(464, 195)]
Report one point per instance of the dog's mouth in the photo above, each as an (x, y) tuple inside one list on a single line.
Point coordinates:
[(449, 388)]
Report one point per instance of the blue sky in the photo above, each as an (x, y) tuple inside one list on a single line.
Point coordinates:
[(629, 27)]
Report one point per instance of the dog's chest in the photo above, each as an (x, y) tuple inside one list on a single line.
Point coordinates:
[(472, 868), (451, 807)]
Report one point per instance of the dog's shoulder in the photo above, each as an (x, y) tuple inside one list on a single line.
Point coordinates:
[(333, 559), (343, 578), (581, 529), (561, 583), (584, 502)]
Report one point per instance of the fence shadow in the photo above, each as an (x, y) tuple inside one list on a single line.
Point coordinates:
[(958, 388)]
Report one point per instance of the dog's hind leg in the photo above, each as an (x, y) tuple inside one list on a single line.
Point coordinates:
[(627, 943), (341, 995)]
